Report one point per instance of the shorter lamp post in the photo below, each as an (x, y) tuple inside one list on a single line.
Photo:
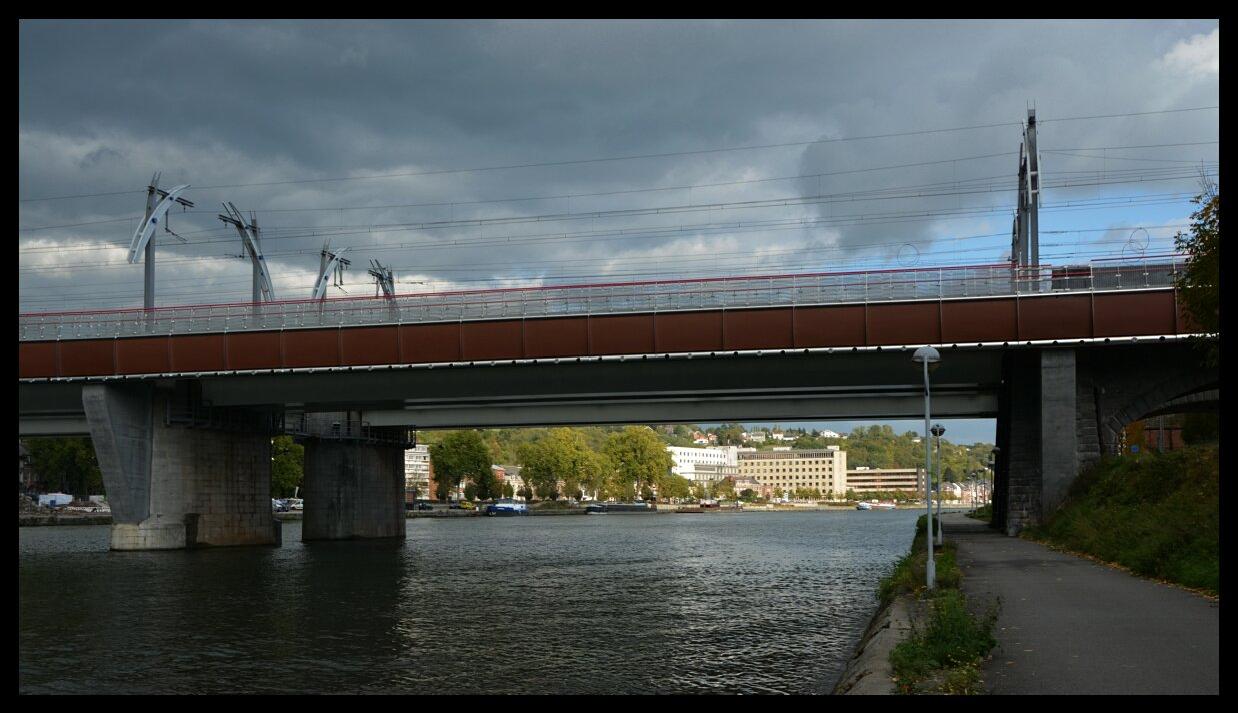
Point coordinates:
[(988, 487), (928, 356), (937, 431)]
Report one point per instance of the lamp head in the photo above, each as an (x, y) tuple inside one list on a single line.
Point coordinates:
[(927, 355)]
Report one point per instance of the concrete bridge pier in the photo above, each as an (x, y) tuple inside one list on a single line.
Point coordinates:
[(1039, 436), (354, 482), (179, 474)]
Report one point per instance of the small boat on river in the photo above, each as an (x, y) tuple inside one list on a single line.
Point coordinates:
[(874, 505), (601, 508)]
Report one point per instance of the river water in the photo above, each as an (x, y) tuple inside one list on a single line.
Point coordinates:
[(638, 603)]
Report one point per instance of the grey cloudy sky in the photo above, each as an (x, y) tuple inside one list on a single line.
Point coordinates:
[(103, 105)]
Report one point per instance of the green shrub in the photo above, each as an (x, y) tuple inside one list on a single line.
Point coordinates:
[(953, 642), (945, 656), (908, 575), (1157, 514)]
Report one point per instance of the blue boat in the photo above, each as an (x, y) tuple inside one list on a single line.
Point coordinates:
[(506, 507)]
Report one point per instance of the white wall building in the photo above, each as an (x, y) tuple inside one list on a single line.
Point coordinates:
[(417, 472), (704, 464)]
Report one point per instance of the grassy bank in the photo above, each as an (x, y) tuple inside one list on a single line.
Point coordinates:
[(944, 651), (1155, 514)]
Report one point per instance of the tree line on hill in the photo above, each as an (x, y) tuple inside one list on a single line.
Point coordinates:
[(632, 461)]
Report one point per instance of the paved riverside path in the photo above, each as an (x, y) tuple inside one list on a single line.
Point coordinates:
[(1069, 625)]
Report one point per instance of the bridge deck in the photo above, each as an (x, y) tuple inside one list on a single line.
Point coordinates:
[(967, 305), (876, 286)]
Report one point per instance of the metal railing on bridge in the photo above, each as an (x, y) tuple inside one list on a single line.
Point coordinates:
[(614, 298)]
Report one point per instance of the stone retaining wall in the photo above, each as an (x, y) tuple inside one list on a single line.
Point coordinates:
[(27, 520), (869, 672)]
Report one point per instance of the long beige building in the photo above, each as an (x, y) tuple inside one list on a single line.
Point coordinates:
[(785, 471), (870, 480)]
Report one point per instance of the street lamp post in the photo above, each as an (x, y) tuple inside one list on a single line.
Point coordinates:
[(937, 431), (927, 356), (988, 487)]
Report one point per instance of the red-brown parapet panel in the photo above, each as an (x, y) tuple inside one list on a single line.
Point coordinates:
[(557, 337), (429, 343), (311, 347), (1056, 317), (759, 329), (841, 326), (991, 320), (906, 323), (87, 357), (198, 352), (143, 355), (37, 360), (1130, 314), (483, 341), (254, 350), (688, 332), (363, 346), (621, 334)]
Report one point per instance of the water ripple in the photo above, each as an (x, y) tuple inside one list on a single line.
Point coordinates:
[(750, 603)]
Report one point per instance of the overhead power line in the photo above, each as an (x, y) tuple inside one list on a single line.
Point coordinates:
[(716, 257), (716, 260), (666, 231), (1128, 158), (637, 233), (1135, 113), (1114, 178), (632, 157), (958, 183)]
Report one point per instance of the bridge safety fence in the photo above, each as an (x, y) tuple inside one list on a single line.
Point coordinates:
[(600, 299)]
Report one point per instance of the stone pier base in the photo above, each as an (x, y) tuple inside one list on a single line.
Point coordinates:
[(353, 490), (149, 535), (174, 486)]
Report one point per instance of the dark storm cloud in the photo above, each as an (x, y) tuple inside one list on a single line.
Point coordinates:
[(105, 104)]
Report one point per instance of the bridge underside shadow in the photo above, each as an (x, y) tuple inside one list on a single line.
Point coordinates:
[(206, 476)]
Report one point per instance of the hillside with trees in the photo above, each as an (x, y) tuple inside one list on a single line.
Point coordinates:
[(632, 461)]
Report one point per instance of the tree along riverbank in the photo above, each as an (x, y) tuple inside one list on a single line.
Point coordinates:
[(1155, 514), (920, 641)]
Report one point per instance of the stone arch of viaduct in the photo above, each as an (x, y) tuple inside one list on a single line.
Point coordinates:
[(1061, 409)]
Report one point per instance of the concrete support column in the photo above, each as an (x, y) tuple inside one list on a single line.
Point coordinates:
[(353, 489), (1021, 457), (1039, 427), (1059, 424), (172, 487)]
